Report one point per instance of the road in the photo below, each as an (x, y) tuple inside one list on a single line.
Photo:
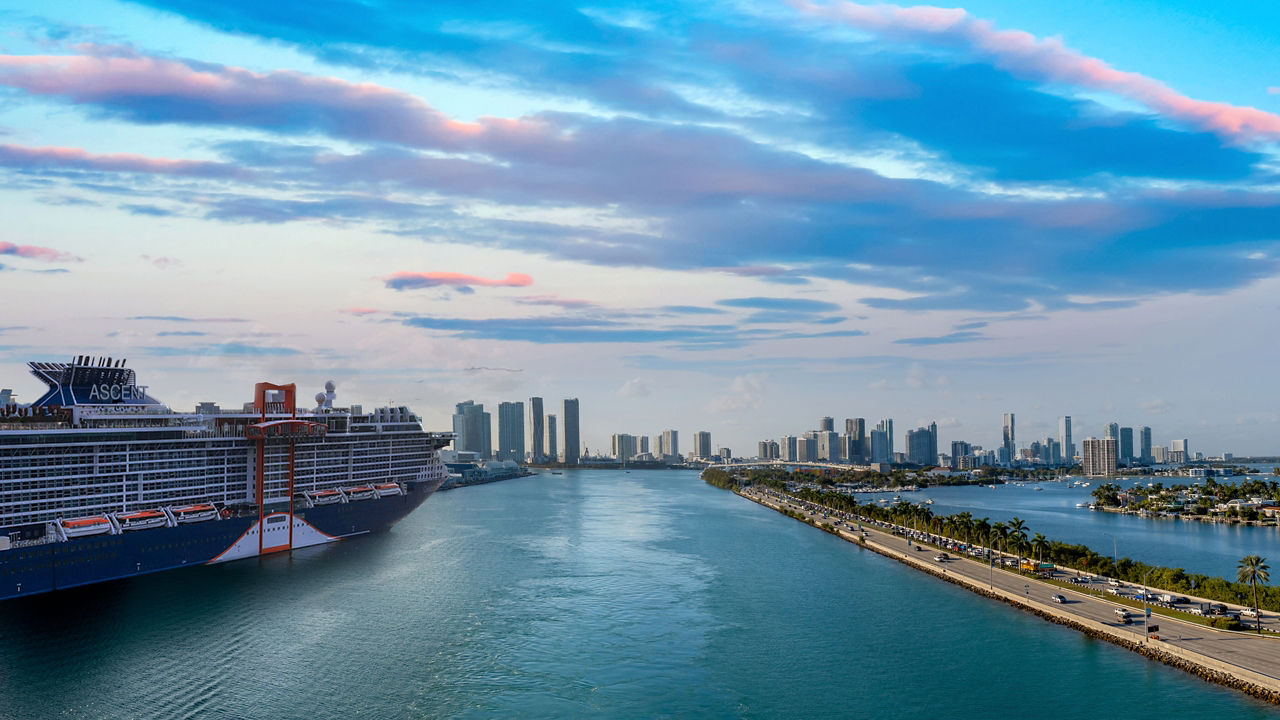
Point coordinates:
[(1259, 655)]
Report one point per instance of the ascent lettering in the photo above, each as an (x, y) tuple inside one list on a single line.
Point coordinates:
[(107, 392)]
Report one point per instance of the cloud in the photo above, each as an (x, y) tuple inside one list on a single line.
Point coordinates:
[(143, 209), (801, 305), (691, 310), (1047, 60), (227, 348), (162, 262), (67, 158), (35, 252), (184, 319), (362, 311), (555, 301), (180, 333), (636, 387), (746, 392), (962, 336), (1156, 407), (405, 280)]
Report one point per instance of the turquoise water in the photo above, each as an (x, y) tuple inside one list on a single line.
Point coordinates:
[(588, 594)]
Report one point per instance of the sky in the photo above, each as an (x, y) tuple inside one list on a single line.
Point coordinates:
[(726, 216)]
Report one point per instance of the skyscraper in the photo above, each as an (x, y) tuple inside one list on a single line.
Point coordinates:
[(537, 432), (511, 431), (1098, 457), (569, 417), (787, 448), (669, 444), (826, 424), (552, 447), (474, 429), (1126, 445), (1064, 437), (885, 426), (1112, 430), (881, 450), (702, 444), (919, 445), (644, 444), (1144, 444), (856, 429), (623, 446), (959, 449), (1010, 443)]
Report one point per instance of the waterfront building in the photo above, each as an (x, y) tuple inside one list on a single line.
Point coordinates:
[(788, 448), (886, 426), (702, 443), (552, 447), (881, 450), (473, 427), (511, 431), (1144, 445), (1010, 444), (1064, 437), (1179, 452), (807, 448), (725, 454), (856, 450), (762, 449), (1099, 456), (1112, 430), (826, 424), (959, 450), (537, 430), (623, 447), (828, 445), (569, 420), (922, 445), (669, 444), (1159, 455), (1126, 445)]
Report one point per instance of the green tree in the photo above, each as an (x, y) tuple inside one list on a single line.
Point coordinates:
[(1018, 535), (1039, 544), (1253, 570)]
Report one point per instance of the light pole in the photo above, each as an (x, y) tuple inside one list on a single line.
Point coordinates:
[(1146, 614), (1114, 564)]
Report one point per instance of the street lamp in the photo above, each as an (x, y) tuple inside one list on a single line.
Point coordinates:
[(1114, 564), (1146, 614)]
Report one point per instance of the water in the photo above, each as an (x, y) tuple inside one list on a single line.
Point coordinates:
[(588, 594), (1212, 549)]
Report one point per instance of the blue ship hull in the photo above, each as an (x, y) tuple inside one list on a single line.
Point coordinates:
[(100, 558)]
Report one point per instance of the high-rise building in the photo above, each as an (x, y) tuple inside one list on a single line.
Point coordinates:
[(1112, 430), (1159, 455), (552, 447), (725, 454), (569, 418), (1126, 445), (1179, 452), (807, 448), (788, 448), (511, 431), (1064, 437), (826, 424), (828, 445), (919, 442), (669, 444), (881, 450), (959, 450), (644, 444), (702, 444), (886, 426), (474, 429), (762, 450), (933, 443), (856, 429), (1010, 443), (537, 431), (1144, 444), (1098, 456), (623, 447)]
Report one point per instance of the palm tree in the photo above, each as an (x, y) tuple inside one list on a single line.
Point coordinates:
[(1018, 532), (1002, 535), (1253, 570), (1039, 544)]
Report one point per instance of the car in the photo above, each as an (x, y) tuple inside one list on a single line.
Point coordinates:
[(919, 548), (941, 558), (1060, 599), (1124, 615), (1249, 613), (1114, 582)]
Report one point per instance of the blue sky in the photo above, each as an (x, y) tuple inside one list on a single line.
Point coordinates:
[(732, 216)]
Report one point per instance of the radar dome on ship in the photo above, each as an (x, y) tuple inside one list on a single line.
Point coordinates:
[(330, 386)]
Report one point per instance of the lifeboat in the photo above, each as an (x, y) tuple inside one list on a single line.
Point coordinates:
[(83, 526), (363, 492), (325, 497), (142, 520), (194, 513), (386, 489)]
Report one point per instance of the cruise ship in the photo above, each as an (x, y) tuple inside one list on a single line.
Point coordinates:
[(99, 480)]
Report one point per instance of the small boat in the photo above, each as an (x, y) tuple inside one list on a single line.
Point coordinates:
[(993, 487), (363, 492), (929, 501), (194, 513), (142, 520), (1038, 489), (325, 497), (84, 526), (387, 489), (1079, 505)]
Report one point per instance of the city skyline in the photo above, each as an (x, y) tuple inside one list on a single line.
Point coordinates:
[(707, 216)]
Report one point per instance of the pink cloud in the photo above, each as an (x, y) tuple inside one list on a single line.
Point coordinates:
[(1048, 60), (405, 280), (162, 262), (153, 89), (78, 159), (362, 311), (34, 252)]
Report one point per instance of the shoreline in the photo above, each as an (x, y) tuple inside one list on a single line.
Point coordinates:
[(1209, 669)]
